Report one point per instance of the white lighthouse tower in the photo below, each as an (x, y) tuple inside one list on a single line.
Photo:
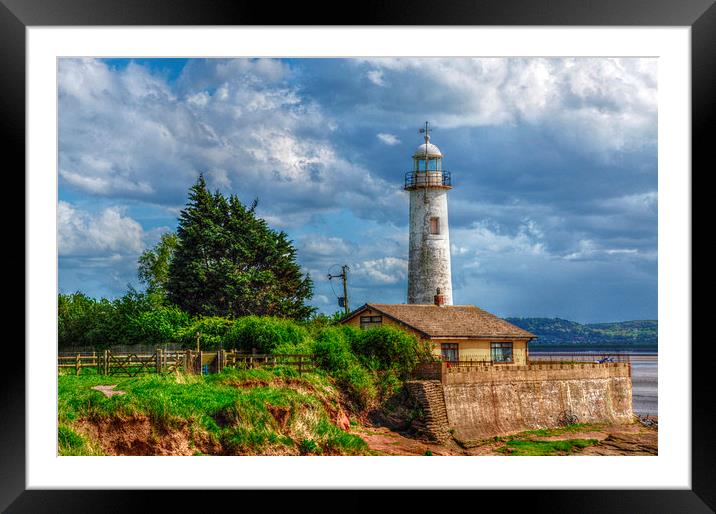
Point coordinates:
[(429, 254)]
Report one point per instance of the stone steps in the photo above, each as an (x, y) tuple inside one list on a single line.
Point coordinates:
[(429, 395)]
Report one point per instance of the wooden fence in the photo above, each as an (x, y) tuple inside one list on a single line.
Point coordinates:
[(110, 362)]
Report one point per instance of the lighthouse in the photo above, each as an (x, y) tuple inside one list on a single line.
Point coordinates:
[(429, 252)]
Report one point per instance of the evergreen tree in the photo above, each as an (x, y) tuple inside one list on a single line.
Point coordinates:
[(228, 262)]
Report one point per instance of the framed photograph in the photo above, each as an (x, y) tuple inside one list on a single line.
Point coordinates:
[(586, 122)]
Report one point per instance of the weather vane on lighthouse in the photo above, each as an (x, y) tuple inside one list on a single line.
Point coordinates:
[(429, 252), (425, 131)]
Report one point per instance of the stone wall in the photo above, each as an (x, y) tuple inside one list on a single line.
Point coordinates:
[(493, 400), (429, 394)]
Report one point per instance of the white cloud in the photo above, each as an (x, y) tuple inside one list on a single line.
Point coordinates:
[(599, 104), (388, 139), (642, 203), (483, 239), (81, 233), (376, 77), (458, 250), (387, 270), (124, 134), (322, 299), (324, 246), (588, 250)]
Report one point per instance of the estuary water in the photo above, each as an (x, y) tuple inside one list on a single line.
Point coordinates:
[(644, 398), (644, 366)]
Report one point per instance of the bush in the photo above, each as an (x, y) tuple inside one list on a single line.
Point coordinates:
[(387, 348), (84, 321), (160, 326), (332, 351), (212, 332), (268, 335)]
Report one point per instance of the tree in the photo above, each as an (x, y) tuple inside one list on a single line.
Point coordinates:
[(153, 267), (84, 321), (229, 262)]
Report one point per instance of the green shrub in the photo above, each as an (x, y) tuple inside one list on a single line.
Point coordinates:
[(387, 348), (388, 383), (212, 332), (160, 326), (268, 335), (332, 351), (84, 321)]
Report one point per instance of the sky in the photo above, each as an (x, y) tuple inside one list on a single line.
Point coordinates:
[(553, 211)]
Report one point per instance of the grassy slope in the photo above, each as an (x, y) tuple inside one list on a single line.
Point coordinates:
[(235, 418)]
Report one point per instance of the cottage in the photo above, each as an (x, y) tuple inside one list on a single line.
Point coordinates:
[(457, 332)]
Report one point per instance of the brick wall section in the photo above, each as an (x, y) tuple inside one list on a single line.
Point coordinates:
[(429, 395), (497, 400)]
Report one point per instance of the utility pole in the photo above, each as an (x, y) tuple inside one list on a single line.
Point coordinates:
[(344, 277)]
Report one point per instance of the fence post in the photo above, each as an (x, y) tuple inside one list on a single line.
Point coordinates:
[(77, 365), (187, 361), (300, 364), (105, 362), (158, 360)]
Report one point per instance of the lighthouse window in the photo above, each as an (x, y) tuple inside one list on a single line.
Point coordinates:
[(434, 225)]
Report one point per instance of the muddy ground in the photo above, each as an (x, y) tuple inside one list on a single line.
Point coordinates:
[(632, 439)]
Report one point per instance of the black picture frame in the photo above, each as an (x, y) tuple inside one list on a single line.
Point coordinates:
[(17, 15)]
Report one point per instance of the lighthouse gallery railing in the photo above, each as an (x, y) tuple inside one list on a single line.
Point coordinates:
[(415, 179)]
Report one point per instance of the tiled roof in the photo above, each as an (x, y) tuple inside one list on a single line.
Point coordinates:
[(449, 321)]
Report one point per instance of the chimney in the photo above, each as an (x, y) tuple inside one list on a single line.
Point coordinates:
[(439, 298)]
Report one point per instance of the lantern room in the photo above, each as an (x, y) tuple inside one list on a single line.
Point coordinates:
[(427, 157), (427, 166)]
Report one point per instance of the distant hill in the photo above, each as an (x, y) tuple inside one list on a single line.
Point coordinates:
[(556, 331)]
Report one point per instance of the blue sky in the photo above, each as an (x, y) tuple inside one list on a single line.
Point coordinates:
[(554, 166)]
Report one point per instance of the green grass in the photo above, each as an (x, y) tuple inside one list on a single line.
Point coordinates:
[(520, 447), (546, 432), (70, 442), (525, 443), (235, 408)]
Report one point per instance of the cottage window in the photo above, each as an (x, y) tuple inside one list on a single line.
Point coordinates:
[(435, 226), (370, 321), (449, 352), (501, 352)]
